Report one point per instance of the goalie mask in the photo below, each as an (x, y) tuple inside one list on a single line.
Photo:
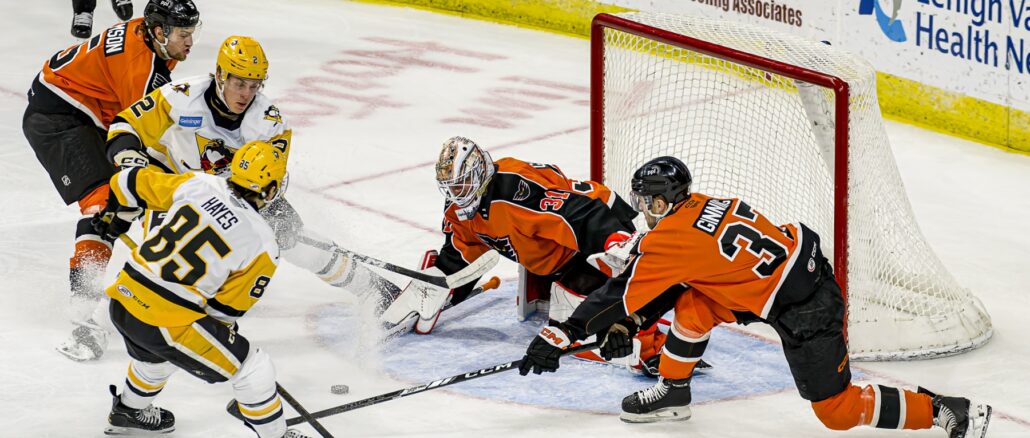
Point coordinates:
[(463, 172)]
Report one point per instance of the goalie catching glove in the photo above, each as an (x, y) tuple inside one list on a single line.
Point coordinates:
[(619, 251)]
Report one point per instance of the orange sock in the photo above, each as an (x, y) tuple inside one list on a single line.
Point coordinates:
[(878, 406)]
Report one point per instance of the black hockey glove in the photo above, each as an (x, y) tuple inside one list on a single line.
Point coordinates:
[(114, 221), (546, 349), (618, 342)]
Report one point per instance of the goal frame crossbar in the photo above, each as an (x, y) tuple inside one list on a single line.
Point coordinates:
[(840, 88)]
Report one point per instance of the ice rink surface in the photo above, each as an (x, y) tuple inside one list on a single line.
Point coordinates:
[(371, 92)]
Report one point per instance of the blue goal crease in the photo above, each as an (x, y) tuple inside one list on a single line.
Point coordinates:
[(484, 332)]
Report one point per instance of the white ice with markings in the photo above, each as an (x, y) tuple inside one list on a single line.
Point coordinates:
[(372, 91)]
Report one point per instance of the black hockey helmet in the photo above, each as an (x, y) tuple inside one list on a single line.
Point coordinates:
[(666, 176), (170, 13)]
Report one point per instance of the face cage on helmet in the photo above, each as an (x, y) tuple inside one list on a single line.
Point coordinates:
[(469, 182)]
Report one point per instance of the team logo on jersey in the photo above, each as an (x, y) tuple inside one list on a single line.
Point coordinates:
[(114, 40), (502, 245), (159, 80), (712, 215), (183, 88), (523, 192), (272, 114), (191, 121), (216, 157)]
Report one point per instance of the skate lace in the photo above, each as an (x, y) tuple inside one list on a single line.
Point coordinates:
[(150, 415), (83, 19), (946, 419), (654, 393)]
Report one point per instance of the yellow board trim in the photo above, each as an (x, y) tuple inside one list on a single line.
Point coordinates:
[(901, 100)]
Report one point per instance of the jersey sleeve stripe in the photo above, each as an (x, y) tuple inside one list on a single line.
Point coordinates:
[(131, 188), (223, 308), (120, 126), (124, 188)]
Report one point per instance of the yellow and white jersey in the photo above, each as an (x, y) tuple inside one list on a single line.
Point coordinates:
[(179, 128), (213, 255)]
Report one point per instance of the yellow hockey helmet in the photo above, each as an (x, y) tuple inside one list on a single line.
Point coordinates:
[(256, 166), (243, 57)]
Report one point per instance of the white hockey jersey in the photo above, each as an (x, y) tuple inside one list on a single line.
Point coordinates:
[(180, 128), (214, 254)]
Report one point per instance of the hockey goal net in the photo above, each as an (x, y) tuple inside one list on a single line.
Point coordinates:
[(793, 127)]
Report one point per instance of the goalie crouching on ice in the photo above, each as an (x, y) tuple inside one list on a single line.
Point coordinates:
[(535, 216)]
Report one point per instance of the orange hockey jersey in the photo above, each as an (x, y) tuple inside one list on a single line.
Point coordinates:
[(723, 249), (534, 215), (101, 76)]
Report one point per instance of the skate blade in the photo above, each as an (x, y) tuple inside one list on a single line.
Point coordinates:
[(131, 431), (665, 414), (981, 431)]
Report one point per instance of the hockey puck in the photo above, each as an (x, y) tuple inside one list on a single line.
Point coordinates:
[(339, 389)]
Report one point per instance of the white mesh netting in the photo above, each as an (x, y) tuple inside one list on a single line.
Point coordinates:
[(759, 136)]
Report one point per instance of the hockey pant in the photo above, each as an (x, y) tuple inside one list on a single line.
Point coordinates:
[(646, 344), (811, 332), (208, 349), (71, 149)]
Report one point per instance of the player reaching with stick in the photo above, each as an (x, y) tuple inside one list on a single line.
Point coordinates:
[(177, 299), (723, 262)]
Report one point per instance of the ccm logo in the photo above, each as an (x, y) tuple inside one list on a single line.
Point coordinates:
[(554, 338)]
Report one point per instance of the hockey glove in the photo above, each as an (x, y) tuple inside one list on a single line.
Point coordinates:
[(617, 254), (545, 350), (618, 342), (114, 221), (131, 158)]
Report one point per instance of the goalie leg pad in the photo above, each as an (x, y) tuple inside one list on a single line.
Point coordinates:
[(425, 300), (563, 302)]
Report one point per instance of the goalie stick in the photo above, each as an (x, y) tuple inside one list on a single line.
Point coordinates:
[(469, 274), (233, 409)]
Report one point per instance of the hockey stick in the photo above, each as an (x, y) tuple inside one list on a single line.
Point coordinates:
[(470, 273), (304, 414), (233, 409), (128, 241), (492, 283)]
